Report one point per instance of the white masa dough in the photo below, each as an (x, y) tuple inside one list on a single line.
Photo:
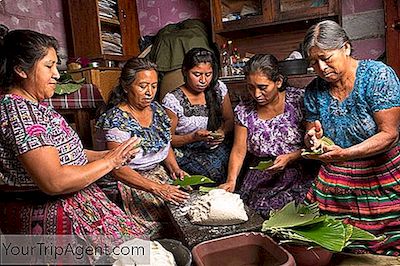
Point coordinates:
[(218, 207), (158, 256)]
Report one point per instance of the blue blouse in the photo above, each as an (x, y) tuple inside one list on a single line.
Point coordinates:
[(154, 138), (351, 121)]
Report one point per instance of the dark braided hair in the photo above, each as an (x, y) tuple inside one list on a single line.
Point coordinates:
[(21, 48), (128, 76), (194, 57), (266, 64)]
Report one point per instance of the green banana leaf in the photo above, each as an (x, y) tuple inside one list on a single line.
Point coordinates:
[(302, 223), (262, 165), (324, 140), (290, 216), (191, 180), (203, 189), (360, 234), (327, 234), (216, 135), (348, 231), (67, 88)]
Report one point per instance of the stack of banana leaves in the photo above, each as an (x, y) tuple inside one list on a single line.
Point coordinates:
[(302, 224), (66, 84)]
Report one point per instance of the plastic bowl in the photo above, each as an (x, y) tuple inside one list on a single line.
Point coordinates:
[(182, 254), (309, 256), (241, 249)]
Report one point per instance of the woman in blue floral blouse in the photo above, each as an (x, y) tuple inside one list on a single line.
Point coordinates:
[(144, 184)]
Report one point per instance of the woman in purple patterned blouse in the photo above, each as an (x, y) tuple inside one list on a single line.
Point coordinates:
[(270, 126)]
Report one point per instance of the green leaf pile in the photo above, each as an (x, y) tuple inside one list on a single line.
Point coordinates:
[(262, 165), (304, 224), (191, 180), (66, 84)]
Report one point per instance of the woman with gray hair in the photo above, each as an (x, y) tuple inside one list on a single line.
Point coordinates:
[(356, 103)]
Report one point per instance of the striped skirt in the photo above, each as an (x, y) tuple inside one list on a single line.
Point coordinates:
[(366, 194), (147, 210)]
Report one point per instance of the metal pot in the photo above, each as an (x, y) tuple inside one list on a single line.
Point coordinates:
[(293, 67)]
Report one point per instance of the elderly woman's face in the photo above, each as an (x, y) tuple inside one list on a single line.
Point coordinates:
[(329, 64), (199, 77), (262, 89), (41, 81), (143, 89)]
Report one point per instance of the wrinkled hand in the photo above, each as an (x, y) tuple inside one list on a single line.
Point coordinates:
[(312, 137), (333, 153), (228, 186), (171, 193), (123, 153), (177, 173), (280, 163), (201, 135)]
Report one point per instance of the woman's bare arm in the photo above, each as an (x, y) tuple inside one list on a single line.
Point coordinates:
[(236, 158), (44, 166)]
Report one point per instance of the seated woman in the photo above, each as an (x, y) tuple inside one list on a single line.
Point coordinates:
[(47, 178), (356, 103), (144, 184), (196, 109), (269, 127)]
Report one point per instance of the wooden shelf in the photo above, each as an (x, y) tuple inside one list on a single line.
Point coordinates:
[(110, 21), (84, 27), (240, 28)]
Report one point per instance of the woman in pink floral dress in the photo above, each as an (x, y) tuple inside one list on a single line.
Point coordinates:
[(47, 178)]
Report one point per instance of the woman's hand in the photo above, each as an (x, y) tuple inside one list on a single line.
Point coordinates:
[(311, 139), (171, 193), (123, 153), (228, 186), (214, 141), (200, 135), (280, 163), (177, 173), (333, 153)]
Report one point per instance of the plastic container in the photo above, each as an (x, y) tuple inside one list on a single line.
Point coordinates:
[(309, 256), (241, 249), (293, 67), (182, 254)]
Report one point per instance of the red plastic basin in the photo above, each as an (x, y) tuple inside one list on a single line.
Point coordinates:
[(241, 249)]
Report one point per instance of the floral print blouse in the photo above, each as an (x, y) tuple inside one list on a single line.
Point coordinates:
[(25, 126), (351, 121), (276, 136), (116, 125), (190, 117)]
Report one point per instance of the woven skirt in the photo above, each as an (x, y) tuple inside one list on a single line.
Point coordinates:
[(366, 194)]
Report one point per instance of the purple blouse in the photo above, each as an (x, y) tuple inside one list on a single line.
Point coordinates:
[(280, 135)]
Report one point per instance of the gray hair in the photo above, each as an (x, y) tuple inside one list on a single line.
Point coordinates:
[(326, 35)]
